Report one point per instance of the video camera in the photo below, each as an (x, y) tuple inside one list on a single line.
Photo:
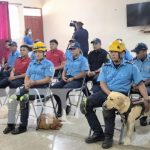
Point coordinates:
[(73, 24)]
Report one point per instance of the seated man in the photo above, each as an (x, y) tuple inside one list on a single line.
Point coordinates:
[(14, 54), (73, 73), (57, 57), (116, 75), (96, 58), (38, 75), (17, 75), (6, 52), (142, 61)]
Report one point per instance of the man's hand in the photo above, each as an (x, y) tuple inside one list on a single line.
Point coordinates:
[(32, 83), (70, 79), (11, 78), (91, 73), (5, 67), (64, 78), (134, 88), (147, 82)]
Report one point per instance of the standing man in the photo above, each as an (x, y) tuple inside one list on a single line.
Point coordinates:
[(81, 36), (142, 61)]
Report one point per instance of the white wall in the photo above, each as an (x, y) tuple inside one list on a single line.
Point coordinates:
[(105, 19)]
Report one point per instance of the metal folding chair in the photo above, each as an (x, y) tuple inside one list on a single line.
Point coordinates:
[(42, 96), (80, 96)]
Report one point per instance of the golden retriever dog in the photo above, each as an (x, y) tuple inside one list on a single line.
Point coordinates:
[(48, 121), (121, 103)]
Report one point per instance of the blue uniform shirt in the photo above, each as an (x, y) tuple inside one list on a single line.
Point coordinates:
[(12, 58), (120, 79), (38, 71), (75, 66), (28, 40), (144, 67)]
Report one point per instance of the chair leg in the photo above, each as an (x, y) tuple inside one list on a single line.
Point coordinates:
[(34, 111), (122, 131)]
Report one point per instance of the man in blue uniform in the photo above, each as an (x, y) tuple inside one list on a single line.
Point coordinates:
[(38, 75), (117, 75), (142, 61), (13, 55), (73, 73)]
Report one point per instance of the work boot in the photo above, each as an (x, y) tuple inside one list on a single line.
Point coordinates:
[(143, 121), (9, 128), (108, 142), (19, 130), (94, 138)]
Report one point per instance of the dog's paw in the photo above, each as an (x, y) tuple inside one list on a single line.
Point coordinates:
[(127, 141)]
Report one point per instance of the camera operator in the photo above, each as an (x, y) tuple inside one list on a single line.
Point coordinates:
[(81, 36)]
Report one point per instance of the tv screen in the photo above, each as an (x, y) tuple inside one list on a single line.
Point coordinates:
[(138, 14)]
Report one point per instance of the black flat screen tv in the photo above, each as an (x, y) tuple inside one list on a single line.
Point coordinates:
[(138, 14)]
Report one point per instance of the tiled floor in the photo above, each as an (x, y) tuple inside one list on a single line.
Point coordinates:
[(69, 137)]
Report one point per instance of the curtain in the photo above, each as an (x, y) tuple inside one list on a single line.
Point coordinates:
[(4, 27)]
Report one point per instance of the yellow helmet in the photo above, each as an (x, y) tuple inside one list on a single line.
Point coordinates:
[(117, 46), (39, 46)]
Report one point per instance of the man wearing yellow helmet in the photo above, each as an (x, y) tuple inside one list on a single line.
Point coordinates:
[(116, 75), (38, 75)]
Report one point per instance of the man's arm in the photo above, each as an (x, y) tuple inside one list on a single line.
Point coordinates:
[(104, 88), (61, 66), (79, 76), (143, 90), (46, 80)]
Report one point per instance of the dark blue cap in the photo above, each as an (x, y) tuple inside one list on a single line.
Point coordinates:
[(140, 47), (12, 43), (96, 41), (74, 45)]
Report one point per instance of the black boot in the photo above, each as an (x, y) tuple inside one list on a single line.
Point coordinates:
[(9, 128), (94, 138), (143, 121), (19, 130), (108, 142)]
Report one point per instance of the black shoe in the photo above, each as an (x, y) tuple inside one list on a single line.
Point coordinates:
[(143, 121), (108, 142), (94, 138), (8, 129), (68, 109), (58, 114), (19, 130)]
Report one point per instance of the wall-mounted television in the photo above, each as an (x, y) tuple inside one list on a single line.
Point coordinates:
[(138, 14)]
